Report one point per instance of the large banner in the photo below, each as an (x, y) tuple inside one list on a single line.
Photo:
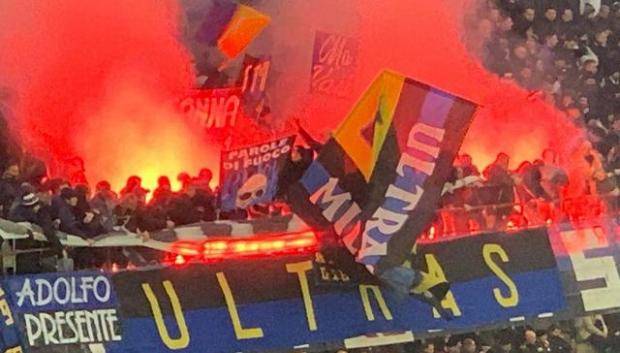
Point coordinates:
[(334, 61), (249, 175), (218, 309), (65, 312), (589, 258), (277, 303), (212, 108), (378, 181)]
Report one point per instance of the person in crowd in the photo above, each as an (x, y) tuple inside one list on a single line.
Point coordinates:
[(427, 346), (524, 22), (454, 344), (83, 210), (593, 330), (499, 190), (469, 345), (547, 25), (531, 344), (557, 340), (184, 179), (162, 194), (69, 222), (103, 203), (31, 210), (203, 181), (56, 187), (542, 337), (9, 188), (138, 218), (504, 343), (294, 168), (134, 186), (552, 177), (192, 206)]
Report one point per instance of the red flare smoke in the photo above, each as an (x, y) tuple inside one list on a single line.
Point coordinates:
[(97, 80)]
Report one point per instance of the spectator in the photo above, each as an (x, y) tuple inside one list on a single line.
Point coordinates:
[(548, 24), (134, 186), (57, 186), (469, 345), (524, 22), (454, 344), (504, 343), (203, 181), (103, 203), (497, 174), (531, 343), (592, 329), (557, 340), (184, 179), (137, 218), (567, 27), (610, 93), (552, 177), (428, 347), (293, 169), (163, 193), (542, 338), (9, 188), (32, 211), (66, 212)]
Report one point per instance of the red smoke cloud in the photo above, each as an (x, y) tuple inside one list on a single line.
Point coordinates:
[(424, 40), (97, 79)]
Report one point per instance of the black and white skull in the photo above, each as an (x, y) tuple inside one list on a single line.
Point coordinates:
[(253, 189)]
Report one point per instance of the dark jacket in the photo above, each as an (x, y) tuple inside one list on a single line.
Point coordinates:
[(559, 345), (143, 219), (292, 171), (9, 191), (69, 223), (181, 210), (42, 218)]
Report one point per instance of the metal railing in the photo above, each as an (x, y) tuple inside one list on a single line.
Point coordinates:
[(453, 222)]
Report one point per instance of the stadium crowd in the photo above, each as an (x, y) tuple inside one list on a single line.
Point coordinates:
[(568, 50), (568, 53), (590, 334)]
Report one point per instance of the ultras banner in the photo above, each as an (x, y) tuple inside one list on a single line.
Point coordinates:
[(378, 181), (275, 303), (249, 175)]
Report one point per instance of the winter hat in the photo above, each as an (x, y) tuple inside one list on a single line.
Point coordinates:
[(30, 199)]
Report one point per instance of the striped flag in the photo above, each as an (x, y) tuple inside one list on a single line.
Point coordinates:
[(376, 184)]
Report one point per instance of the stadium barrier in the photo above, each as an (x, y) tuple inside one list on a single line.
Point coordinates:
[(282, 302)]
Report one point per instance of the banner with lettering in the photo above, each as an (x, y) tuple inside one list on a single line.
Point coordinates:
[(212, 108), (253, 82), (498, 279), (334, 61), (249, 175), (10, 339), (376, 184), (588, 256), (215, 308), (62, 312)]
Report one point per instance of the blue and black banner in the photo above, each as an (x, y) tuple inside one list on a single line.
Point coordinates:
[(376, 184), (282, 302), (249, 175)]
